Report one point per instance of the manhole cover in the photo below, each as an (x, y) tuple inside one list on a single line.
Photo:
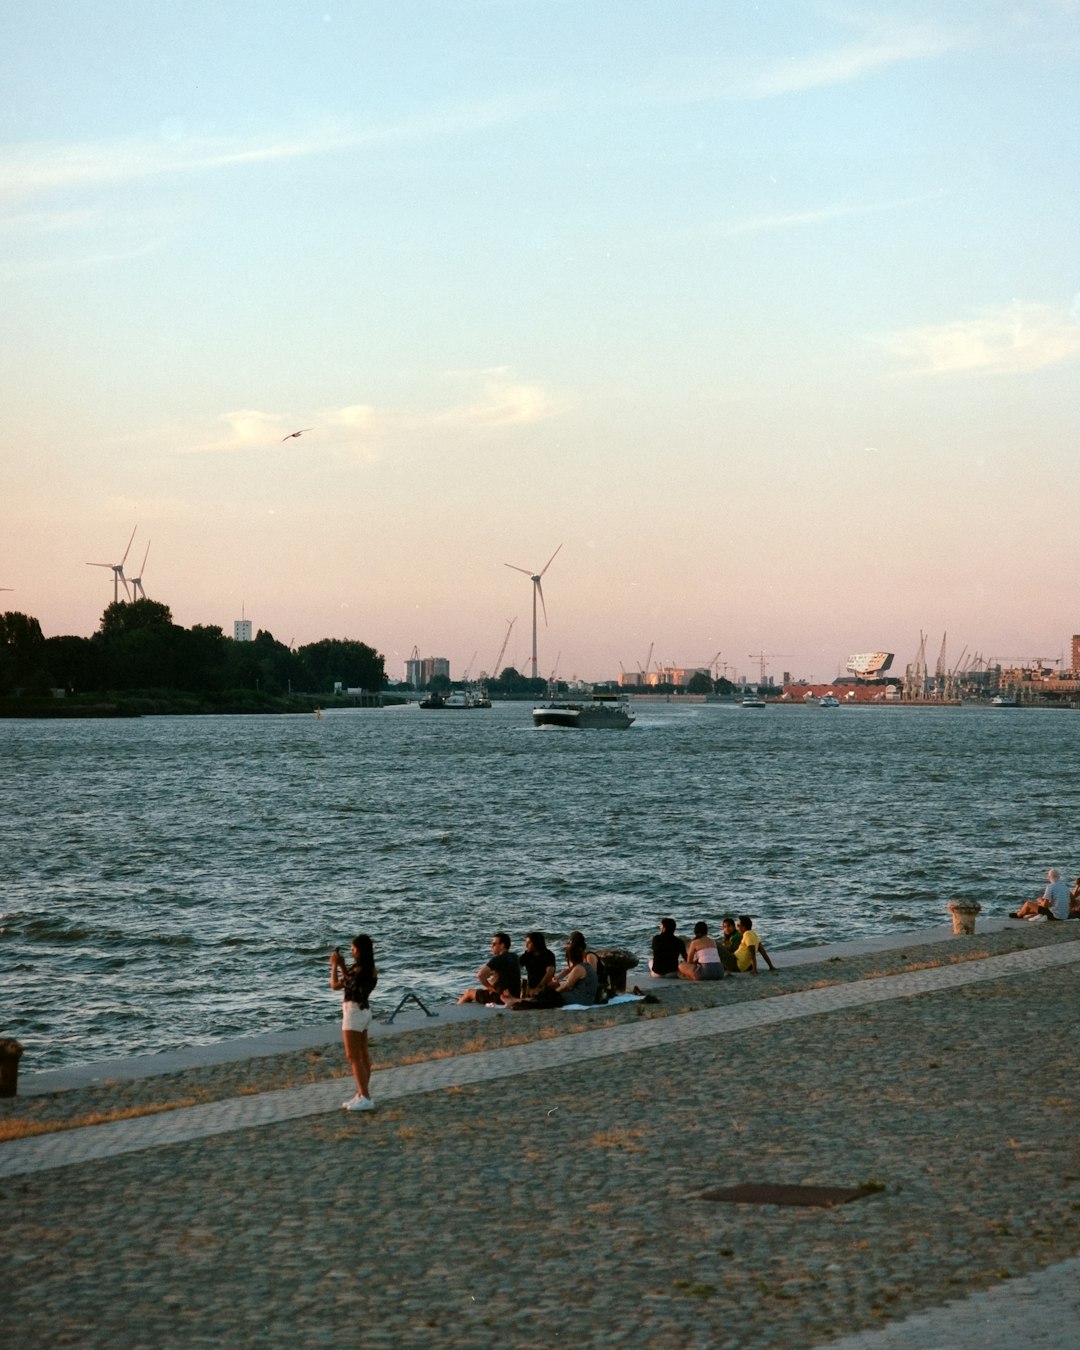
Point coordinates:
[(762, 1193)]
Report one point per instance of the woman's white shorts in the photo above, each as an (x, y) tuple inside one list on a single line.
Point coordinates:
[(355, 1018)]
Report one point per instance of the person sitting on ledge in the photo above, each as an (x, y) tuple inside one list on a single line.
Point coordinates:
[(750, 947), (538, 964), (1052, 904), (667, 951), (501, 973), (577, 984), (730, 937), (702, 957), (1074, 901)]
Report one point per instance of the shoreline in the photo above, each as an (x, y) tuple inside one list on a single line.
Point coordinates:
[(938, 1077), (66, 1098)]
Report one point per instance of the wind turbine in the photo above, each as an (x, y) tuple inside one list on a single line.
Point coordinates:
[(118, 571), (137, 588), (538, 590)]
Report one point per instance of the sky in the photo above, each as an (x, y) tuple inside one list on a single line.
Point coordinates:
[(766, 316)]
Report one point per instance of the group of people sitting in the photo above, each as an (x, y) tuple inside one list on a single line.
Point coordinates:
[(1056, 902), (533, 979), (704, 958)]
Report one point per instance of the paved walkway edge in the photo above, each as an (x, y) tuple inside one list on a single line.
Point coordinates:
[(66, 1148)]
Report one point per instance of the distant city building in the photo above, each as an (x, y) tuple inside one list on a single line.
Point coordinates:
[(241, 630), (869, 665), (420, 671)]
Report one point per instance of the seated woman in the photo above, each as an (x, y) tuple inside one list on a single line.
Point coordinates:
[(1074, 901), (577, 983), (702, 957)]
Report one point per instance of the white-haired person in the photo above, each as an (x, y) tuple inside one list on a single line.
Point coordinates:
[(1052, 904)]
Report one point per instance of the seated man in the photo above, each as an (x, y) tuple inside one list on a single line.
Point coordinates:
[(502, 973), (1052, 904), (730, 937), (667, 951), (702, 957), (750, 946)]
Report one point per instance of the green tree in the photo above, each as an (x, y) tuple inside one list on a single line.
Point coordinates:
[(74, 663), (699, 683), (22, 654), (354, 664), (124, 616)]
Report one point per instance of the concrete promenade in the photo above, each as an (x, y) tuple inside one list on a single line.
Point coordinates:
[(556, 1188)]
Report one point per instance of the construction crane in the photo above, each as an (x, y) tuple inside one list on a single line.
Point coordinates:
[(766, 656), (468, 669), (648, 661), (495, 669)]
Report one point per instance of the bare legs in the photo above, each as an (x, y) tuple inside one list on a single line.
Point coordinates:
[(356, 1052)]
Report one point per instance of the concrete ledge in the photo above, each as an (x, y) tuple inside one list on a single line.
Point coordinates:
[(412, 1019)]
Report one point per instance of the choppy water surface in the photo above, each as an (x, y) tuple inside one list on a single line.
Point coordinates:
[(172, 881)]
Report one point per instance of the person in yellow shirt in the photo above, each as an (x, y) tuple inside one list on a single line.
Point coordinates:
[(751, 946)]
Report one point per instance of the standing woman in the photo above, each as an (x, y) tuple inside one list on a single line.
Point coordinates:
[(357, 980)]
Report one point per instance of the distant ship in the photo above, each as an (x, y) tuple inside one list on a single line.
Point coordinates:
[(474, 696), (828, 701), (1003, 701), (601, 710), (752, 701)]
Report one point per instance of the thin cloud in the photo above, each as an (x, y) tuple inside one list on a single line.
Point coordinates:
[(823, 215), (501, 403), (29, 170), (1009, 340), (889, 46)]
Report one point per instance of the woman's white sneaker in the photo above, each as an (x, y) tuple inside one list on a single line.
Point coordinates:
[(359, 1103)]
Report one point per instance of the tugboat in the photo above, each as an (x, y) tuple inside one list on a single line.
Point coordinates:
[(611, 711)]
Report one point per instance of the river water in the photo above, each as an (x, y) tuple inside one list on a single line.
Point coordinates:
[(176, 881)]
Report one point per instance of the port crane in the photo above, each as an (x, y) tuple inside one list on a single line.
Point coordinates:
[(495, 670), (766, 656)]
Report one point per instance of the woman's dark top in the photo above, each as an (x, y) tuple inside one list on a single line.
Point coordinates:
[(585, 989), (357, 987)]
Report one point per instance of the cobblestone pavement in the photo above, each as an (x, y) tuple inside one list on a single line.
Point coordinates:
[(127, 1136), (555, 1190)]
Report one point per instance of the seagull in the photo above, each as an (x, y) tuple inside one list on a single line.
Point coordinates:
[(293, 434)]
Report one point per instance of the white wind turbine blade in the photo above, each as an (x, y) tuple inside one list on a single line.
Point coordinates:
[(540, 593), (123, 560), (550, 561), (527, 571)]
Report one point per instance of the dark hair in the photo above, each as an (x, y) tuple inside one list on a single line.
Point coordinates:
[(504, 938), (365, 955), (575, 952), (577, 936), (668, 925), (728, 918), (746, 920), (538, 940), (701, 929)]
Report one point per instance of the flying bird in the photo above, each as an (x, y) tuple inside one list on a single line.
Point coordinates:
[(293, 434)]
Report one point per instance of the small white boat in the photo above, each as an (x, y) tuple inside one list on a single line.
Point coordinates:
[(611, 711), (752, 701), (828, 701), (1003, 701)]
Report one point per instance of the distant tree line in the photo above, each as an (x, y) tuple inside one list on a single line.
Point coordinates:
[(138, 647)]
